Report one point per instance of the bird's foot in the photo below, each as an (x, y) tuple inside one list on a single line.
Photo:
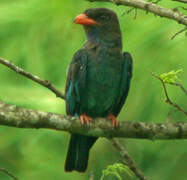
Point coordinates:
[(113, 119), (85, 119)]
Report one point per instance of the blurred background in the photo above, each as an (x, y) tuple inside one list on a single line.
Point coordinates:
[(40, 37)]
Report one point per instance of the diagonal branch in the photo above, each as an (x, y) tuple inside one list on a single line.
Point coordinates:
[(8, 173), (182, 1), (150, 7), (11, 115), (179, 32), (36, 79), (127, 160), (181, 86), (168, 100)]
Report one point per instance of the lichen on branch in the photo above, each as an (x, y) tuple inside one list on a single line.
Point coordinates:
[(11, 115)]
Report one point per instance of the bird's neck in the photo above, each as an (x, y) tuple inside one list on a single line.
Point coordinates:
[(107, 39)]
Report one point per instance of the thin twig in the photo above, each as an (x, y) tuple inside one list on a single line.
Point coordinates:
[(181, 86), (182, 1), (8, 173), (36, 79), (179, 32), (150, 7), (156, 2), (128, 11), (167, 96), (135, 14), (127, 160), (181, 7)]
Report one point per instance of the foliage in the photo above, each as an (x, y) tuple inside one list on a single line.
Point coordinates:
[(171, 77), (115, 170)]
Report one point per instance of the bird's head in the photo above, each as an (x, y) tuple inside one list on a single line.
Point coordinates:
[(100, 24)]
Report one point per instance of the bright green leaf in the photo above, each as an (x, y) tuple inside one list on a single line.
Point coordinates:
[(171, 77), (115, 170)]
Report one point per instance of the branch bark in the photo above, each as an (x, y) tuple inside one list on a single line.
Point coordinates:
[(150, 7), (11, 115), (127, 160), (8, 173)]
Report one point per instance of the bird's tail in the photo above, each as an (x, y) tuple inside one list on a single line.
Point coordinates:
[(78, 152)]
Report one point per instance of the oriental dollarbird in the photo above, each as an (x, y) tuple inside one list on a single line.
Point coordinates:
[(98, 80)]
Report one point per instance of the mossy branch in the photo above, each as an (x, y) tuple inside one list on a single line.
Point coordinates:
[(11, 115)]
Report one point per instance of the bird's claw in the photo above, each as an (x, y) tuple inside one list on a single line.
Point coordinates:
[(85, 119), (113, 120)]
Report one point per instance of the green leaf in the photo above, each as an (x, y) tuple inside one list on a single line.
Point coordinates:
[(115, 170), (171, 77)]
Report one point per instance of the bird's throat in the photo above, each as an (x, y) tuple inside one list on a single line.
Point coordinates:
[(109, 39)]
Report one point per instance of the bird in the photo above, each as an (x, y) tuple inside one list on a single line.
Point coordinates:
[(98, 80)]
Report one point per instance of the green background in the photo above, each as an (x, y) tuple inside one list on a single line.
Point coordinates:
[(40, 37)]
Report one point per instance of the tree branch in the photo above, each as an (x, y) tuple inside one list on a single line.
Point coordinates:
[(8, 173), (168, 100), (36, 79), (127, 160), (181, 87), (11, 115), (179, 32), (182, 1), (150, 7)]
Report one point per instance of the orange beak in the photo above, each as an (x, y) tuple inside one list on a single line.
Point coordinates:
[(85, 20)]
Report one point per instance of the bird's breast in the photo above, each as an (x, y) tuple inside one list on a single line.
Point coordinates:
[(102, 85)]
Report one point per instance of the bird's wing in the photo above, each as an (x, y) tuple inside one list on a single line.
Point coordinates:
[(125, 83), (75, 83)]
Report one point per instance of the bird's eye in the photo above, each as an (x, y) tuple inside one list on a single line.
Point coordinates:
[(104, 17)]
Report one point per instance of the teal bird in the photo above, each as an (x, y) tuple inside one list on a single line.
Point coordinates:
[(98, 80)]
